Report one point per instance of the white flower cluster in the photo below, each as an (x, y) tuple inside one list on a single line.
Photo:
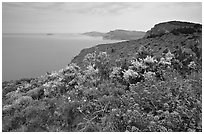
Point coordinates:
[(54, 74), (167, 60), (51, 86), (138, 64), (23, 99), (7, 107), (130, 73), (90, 58), (115, 72), (72, 68), (149, 75), (164, 61), (150, 59), (91, 70), (27, 85), (91, 73), (102, 56), (192, 65), (169, 56)]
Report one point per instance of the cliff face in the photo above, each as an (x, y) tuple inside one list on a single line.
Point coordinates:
[(172, 35)]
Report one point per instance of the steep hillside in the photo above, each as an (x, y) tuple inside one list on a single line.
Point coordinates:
[(180, 35)]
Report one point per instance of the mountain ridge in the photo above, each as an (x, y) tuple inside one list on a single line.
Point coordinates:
[(118, 34), (156, 38)]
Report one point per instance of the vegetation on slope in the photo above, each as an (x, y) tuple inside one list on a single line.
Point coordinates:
[(142, 92), (188, 44)]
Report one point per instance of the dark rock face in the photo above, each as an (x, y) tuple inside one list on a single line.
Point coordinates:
[(172, 35), (174, 27)]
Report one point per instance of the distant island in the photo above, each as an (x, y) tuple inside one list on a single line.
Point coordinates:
[(94, 34), (117, 34), (49, 34)]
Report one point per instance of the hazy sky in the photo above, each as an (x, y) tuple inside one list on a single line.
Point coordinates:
[(22, 17)]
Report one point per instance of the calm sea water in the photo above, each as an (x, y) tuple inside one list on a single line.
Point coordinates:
[(32, 55)]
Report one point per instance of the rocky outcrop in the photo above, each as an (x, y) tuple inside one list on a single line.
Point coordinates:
[(174, 27)]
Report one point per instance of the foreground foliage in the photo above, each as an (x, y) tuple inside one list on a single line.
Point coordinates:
[(145, 94)]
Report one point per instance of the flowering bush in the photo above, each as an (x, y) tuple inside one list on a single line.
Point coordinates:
[(142, 95), (137, 65), (192, 65), (130, 74), (116, 74), (99, 62), (90, 59), (149, 60)]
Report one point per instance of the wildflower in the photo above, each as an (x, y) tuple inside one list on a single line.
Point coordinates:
[(54, 74), (166, 106), (192, 65), (115, 73), (56, 113), (23, 99), (27, 85), (134, 129), (46, 85), (130, 73), (156, 118), (149, 59), (61, 70), (7, 107), (79, 108), (138, 64), (72, 68), (164, 61), (113, 110), (169, 56), (90, 58), (103, 55), (46, 92), (149, 75), (91, 71)]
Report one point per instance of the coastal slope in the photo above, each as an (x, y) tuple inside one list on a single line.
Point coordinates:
[(181, 35)]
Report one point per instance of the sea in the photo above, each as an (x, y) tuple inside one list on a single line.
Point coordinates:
[(32, 55)]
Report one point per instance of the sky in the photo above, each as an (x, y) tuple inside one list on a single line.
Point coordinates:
[(59, 17)]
